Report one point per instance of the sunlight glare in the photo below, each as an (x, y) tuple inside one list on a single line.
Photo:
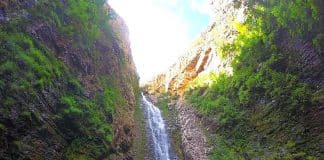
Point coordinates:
[(158, 33)]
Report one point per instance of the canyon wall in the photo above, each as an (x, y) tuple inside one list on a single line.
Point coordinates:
[(252, 84), (68, 82)]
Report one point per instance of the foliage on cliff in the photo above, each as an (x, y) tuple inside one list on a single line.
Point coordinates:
[(46, 110), (81, 19), (267, 108)]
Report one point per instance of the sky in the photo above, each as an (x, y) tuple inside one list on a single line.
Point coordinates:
[(161, 30)]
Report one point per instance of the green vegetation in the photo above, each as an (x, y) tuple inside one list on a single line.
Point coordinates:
[(38, 64), (84, 149), (80, 19), (93, 118), (140, 142), (162, 103), (33, 77), (28, 69), (262, 108)]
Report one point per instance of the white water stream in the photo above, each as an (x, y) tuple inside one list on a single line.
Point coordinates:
[(157, 130)]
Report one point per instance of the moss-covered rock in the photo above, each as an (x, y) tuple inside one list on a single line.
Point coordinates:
[(67, 78)]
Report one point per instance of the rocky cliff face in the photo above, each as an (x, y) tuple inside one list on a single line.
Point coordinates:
[(68, 83), (204, 56), (201, 59), (241, 115)]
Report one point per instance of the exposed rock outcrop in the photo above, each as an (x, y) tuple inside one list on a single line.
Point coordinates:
[(306, 60), (195, 143), (203, 55)]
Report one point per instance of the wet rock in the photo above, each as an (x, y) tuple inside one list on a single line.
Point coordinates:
[(2, 15), (321, 148), (246, 156), (263, 141), (299, 140)]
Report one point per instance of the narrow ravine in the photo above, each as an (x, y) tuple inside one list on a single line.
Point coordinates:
[(157, 131)]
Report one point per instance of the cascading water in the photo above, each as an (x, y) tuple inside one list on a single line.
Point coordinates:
[(156, 130)]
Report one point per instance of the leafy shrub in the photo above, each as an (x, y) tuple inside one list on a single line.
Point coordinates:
[(70, 105), (84, 148)]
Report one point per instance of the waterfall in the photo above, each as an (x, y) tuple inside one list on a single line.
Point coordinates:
[(156, 130)]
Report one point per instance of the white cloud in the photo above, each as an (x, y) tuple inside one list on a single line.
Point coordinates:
[(158, 36)]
